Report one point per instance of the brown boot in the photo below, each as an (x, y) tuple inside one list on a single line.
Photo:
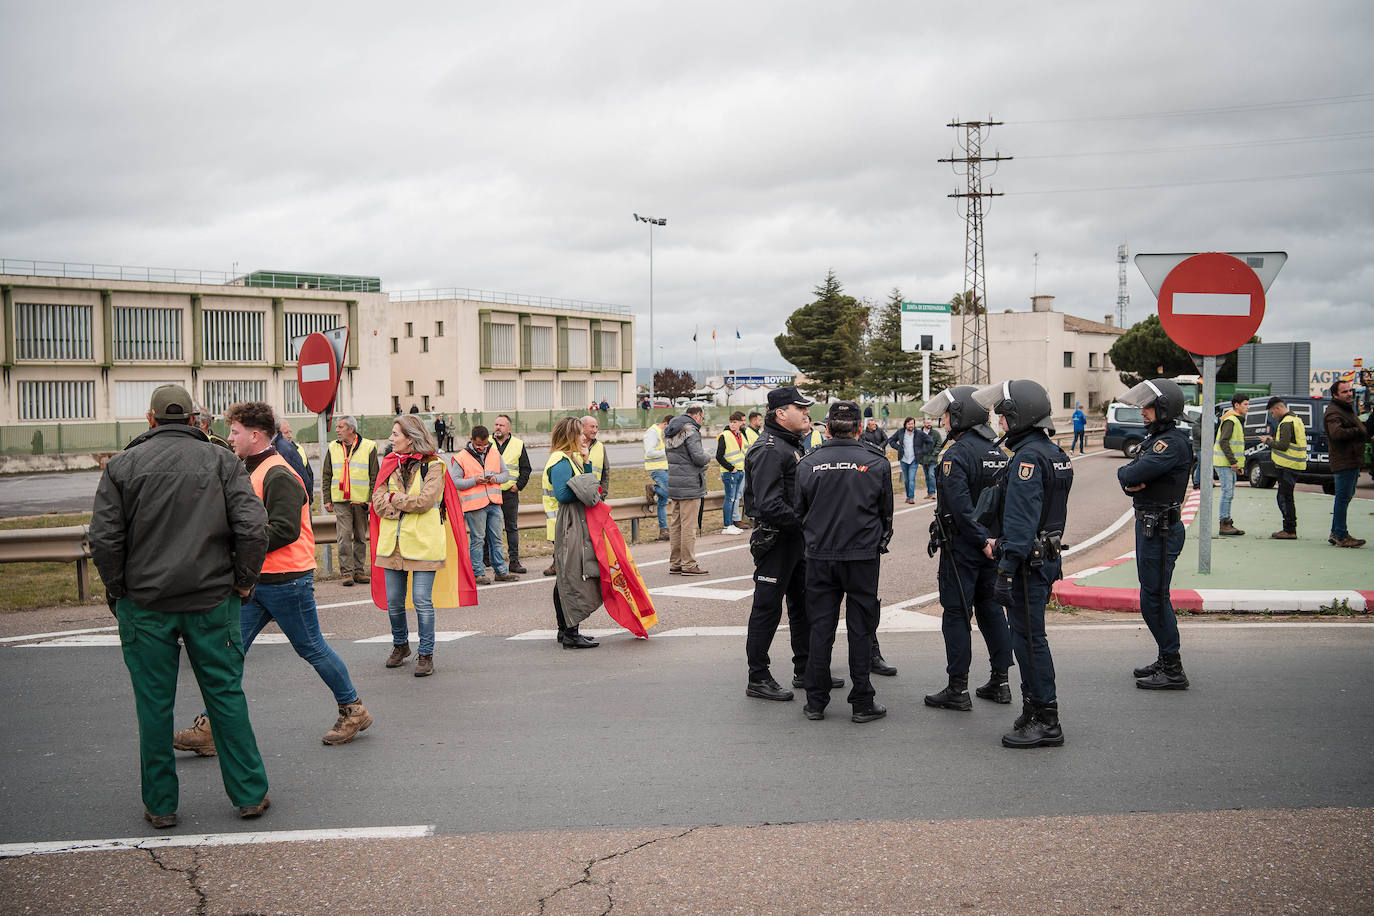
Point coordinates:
[(248, 811), (1350, 541), (1228, 527), (424, 665), (347, 581), (398, 655), (353, 718), (1284, 535), (196, 738), (552, 570), (361, 579), (663, 535)]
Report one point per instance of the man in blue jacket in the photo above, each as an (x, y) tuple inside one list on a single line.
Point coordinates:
[(1080, 429)]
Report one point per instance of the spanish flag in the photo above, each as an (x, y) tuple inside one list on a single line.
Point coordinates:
[(622, 587)]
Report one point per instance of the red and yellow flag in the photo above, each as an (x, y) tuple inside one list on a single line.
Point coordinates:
[(622, 587)]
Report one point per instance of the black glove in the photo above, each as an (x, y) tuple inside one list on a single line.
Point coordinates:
[(886, 539), (1002, 590)]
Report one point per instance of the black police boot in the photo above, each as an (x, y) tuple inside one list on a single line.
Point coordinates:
[(1040, 730), (879, 665), (1027, 710), (996, 689), (1169, 675), (799, 682), (1147, 670), (575, 640), (954, 696), (767, 689)]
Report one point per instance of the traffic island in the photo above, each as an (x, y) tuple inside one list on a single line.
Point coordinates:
[(1252, 573)]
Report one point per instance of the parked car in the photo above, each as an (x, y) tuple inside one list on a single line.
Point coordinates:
[(1126, 427), (1259, 465)]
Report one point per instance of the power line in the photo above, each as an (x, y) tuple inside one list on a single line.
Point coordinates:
[(1185, 184), (1239, 144), (1219, 109)]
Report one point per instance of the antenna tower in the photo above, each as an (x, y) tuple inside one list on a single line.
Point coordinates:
[(1123, 298), (974, 368)]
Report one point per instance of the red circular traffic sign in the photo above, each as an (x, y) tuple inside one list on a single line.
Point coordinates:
[(1211, 304), (317, 373)]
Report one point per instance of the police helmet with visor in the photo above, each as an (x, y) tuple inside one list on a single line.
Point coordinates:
[(964, 412), (1161, 394), (1024, 404)]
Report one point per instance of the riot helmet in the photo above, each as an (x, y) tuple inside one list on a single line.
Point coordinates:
[(1023, 402), (964, 412), (1163, 395)]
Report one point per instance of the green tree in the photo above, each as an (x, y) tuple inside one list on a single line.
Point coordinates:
[(1145, 351), (942, 373), (965, 303), (824, 339)]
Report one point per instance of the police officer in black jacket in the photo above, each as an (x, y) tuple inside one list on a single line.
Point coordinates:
[(968, 465), (1157, 480), (770, 473), (844, 496), (1033, 492)]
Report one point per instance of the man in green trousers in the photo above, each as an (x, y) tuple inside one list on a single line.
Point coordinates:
[(178, 537)]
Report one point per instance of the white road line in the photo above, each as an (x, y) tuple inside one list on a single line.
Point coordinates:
[(13, 850), (32, 636), (692, 589), (112, 639), (550, 634), (1102, 535), (439, 636)]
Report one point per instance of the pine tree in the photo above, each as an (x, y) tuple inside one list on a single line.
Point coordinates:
[(824, 339), (891, 372)]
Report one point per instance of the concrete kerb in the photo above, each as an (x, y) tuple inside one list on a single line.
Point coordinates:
[(1319, 577)]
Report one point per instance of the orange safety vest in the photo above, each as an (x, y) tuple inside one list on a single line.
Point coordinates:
[(478, 496), (299, 555)]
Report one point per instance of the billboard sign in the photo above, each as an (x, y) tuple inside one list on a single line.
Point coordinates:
[(926, 326)]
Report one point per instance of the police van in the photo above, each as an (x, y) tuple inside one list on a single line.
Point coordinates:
[(1259, 465), (1126, 427)]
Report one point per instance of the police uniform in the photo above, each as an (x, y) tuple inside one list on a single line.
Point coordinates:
[(844, 495), (968, 465)]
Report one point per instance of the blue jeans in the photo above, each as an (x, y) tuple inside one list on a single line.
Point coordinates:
[(930, 478), (1080, 440), (1345, 491), (1228, 489), (292, 606), (732, 481), (909, 478), (660, 479), (486, 525), (422, 589)]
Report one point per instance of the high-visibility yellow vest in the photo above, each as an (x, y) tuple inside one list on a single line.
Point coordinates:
[(655, 433), (550, 502), (515, 447), (352, 466), (416, 535), (1236, 440), (816, 438), (479, 495), (597, 456), (751, 436), (299, 555), (1295, 456), (734, 449)]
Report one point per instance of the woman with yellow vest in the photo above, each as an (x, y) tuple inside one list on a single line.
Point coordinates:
[(350, 470), (1288, 450), (577, 590), (415, 514), (1228, 455), (730, 448)]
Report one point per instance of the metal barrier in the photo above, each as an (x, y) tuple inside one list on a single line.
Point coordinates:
[(70, 544)]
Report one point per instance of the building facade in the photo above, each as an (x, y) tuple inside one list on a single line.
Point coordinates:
[(451, 353), (1065, 353)]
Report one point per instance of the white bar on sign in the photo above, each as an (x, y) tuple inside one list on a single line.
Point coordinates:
[(319, 372), (1234, 304)]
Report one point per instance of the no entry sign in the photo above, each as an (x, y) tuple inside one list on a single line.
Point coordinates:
[(317, 373), (1210, 304)]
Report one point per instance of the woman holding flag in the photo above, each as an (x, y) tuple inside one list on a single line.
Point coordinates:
[(593, 564), (416, 528)]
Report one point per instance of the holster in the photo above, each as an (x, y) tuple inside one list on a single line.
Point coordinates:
[(761, 540), (1156, 522)]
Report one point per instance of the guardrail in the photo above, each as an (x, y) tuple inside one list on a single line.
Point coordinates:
[(71, 545)]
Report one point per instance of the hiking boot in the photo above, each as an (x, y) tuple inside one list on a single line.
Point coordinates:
[(954, 696), (353, 718), (515, 567), (1041, 728), (507, 577), (361, 579), (483, 580), (1228, 528), (1349, 541), (663, 535), (1284, 535), (552, 570), (996, 689), (160, 821), (347, 581), (424, 665), (1147, 670), (1168, 676), (196, 738), (398, 655), (247, 811), (768, 689)]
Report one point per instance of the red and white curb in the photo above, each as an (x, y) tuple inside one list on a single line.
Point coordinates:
[(1071, 592)]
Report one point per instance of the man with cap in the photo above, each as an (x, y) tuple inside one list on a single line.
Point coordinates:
[(968, 465), (179, 537), (1288, 451), (770, 474), (1026, 510), (844, 496), (1157, 480)]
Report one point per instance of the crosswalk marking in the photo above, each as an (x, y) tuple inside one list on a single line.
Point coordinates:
[(439, 636)]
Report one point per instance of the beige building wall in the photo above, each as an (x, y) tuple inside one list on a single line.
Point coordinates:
[(1037, 345), (167, 346), (453, 354)]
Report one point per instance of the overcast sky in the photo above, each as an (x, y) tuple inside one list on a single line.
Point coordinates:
[(506, 147)]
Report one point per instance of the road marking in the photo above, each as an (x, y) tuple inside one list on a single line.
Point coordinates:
[(112, 639), (702, 590), (33, 636), (551, 634), (13, 850), (1102, 535), (439, 636)]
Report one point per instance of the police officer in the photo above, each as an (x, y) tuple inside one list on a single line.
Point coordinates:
[(1157, 480), (1033, 493), (770, 473), (968, 465), (844, 496)]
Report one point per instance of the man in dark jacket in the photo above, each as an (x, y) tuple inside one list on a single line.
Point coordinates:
[(844, 497), (1346, 436), (286, 446), (687, 462), (873, 435), (179, 537), (770, 473)]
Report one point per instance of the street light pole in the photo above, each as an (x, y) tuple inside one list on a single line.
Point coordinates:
[(652, 221)]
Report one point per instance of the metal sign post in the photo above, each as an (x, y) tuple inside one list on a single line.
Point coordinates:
[(1209, 420)]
